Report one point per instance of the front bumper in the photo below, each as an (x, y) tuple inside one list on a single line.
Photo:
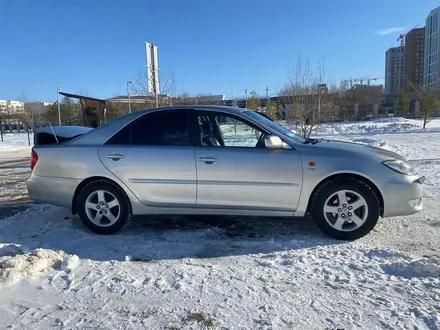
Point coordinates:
[(402, 195)]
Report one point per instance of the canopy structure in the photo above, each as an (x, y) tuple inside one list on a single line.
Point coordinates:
[(93, 109)]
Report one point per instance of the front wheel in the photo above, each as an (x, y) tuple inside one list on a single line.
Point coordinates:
[(345, 210), (103, 207)]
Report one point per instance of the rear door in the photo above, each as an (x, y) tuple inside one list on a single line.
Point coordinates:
[(154, 157), (236, 170)]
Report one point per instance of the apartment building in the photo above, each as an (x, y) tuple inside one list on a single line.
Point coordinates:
[(11, 107), (431, 52), (414, 59), (394, 70)]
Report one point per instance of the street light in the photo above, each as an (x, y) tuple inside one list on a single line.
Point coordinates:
[(58, 102), (128, 94)]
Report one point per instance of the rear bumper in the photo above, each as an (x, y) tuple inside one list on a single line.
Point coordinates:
[(55, 191), (403, 195)]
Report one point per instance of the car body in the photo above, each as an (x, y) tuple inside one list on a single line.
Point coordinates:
[(212, 160)]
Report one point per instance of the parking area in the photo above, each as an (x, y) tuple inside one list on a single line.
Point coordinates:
[(177, 272)]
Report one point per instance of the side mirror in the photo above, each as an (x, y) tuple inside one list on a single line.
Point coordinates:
[(273, 142)]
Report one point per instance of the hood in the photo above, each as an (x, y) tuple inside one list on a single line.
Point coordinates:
[(357, 148)]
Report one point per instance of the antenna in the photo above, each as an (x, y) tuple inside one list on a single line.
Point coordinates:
[(53, 132)]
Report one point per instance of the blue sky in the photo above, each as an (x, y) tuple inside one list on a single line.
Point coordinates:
[(96, 46)]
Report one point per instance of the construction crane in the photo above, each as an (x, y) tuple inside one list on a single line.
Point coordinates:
[(369, 80), (353, 80), (402, 36)]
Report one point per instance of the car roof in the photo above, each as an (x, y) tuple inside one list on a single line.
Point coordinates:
[(199, 108), (101, 134)]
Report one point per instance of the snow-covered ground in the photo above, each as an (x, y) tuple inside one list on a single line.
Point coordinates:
[(16, 141), (230, 273), (15, 146), (377, 126)]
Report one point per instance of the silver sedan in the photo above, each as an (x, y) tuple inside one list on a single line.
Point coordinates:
[(210, 160)]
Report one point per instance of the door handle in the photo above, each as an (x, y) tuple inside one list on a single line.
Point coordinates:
[(115, 156), (208, 159)]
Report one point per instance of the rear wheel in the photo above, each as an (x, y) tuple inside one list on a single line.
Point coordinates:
[(345, 210), (103, 207)]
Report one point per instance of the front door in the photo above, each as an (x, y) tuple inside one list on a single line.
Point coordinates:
[(153, 156), (235, 169)]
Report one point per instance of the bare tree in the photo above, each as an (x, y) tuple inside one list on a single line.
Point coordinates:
[(428, 99), (30, 116), (27, 115), (168, 85), (302, 95)]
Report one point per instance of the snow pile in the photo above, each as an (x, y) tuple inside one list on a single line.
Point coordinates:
[(372, 142), (375, 126), (414, 268), (17, 261), (371, 127), (70, 263)]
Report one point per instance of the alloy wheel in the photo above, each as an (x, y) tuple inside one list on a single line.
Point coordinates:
[(345, 210), (102, 208)]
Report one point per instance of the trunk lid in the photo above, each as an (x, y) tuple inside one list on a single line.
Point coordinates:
[(45, 135)]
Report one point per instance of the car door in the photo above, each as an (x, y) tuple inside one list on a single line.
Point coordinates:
[(154, 157), (236, 170)]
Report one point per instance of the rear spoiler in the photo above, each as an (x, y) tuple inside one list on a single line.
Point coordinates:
[(58, 134)]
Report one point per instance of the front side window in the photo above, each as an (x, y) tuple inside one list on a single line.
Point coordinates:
[(223, 130), (162, 128), (275, 126)]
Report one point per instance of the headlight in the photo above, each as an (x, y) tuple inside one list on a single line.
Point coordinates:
[(400, 166)]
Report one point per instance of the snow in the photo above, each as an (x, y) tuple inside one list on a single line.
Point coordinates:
[(16, 142), (378, 126), (230, 273)]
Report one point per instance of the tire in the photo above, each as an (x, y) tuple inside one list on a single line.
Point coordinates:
[(354, 220), (103, 207)]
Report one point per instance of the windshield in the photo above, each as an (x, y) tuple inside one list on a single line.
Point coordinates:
[(275, 126)]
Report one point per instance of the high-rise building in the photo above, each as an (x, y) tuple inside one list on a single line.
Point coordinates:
[(432, 45), (414, 59), (394, 70)]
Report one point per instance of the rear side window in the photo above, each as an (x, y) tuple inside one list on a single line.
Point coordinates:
[(164, 128)]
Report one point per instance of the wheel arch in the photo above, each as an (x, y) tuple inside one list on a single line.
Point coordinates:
[(345, 176), (85, 182)]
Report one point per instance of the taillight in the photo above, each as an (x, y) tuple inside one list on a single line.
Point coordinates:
[(34, 159)]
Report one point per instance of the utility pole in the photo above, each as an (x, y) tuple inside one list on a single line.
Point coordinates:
[(156, 94), (59, 109), (320, 87), (128, 94), (267, 92), (245, 93)]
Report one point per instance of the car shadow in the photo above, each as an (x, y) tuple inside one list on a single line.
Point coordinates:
[(154, 238)]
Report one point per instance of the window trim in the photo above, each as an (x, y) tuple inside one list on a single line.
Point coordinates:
[(211, 113), (129, 127)]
